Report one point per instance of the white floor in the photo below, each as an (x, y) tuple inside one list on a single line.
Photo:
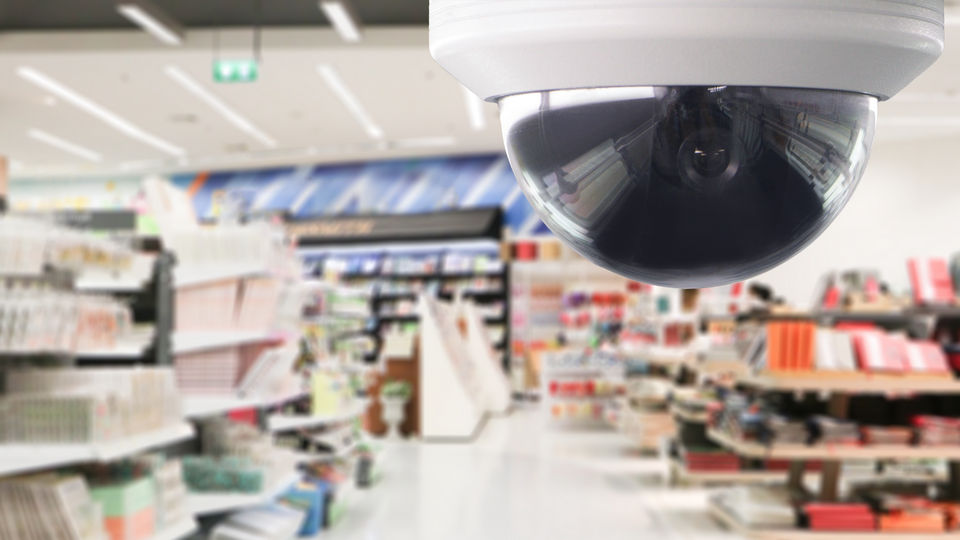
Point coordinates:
[(521, 481)]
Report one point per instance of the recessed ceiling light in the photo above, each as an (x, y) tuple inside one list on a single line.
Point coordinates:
[(232, 116), (474, 110), (343, 18), (117, 122), (152, 19), (65, 145), (333, 80)]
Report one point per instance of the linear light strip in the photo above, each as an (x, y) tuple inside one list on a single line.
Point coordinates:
[(232, 116), (474, 110), (344, 21), (107, 116), (152, 20), (333, 80), (65, 145)]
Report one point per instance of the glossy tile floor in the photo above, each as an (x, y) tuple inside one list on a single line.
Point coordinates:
[(523, 481)]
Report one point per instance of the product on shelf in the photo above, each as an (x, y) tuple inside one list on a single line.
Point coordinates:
[(759, 506), (43, 321), (216, 371), (236, 457), (68, 509), (253, 246), (87, 405), (274, 522), (931, 281), (29, 246), (128, 507), (840, 517)]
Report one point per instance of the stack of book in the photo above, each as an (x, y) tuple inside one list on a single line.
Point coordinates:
[(937, 430), (840, 517)]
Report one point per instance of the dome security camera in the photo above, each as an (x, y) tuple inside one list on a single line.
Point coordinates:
[(687, 143)]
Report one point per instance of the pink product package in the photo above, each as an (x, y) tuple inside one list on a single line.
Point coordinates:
[(207, 307), (930, 280), (257, 305), (880, 352), (209, 372)]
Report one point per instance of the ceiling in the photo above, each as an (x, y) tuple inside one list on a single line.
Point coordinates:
[(32, 15), (420, 109)]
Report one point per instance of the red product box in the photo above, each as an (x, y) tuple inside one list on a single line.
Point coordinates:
[(930, 280), (926, 357), (877, 351)]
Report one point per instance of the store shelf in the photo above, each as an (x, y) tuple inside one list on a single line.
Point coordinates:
[(832, 452), (722, 515), (188, 342), (697, 417), (683, 474), (307, 457), (217, 273), (135, 347), (176, 531), (206, 406), (277, 422), (203, 504), (20, 458), (854, 383), (109, 284)]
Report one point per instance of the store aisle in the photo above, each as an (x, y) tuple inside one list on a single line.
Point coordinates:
[(522, 481)]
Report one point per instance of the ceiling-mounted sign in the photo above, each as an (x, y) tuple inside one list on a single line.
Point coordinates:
[(235, 71)]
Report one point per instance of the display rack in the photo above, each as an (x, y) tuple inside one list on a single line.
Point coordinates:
[(399, 257), (837, 388)]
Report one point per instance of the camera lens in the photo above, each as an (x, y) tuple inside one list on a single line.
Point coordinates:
[(708, 158), (688, 186)]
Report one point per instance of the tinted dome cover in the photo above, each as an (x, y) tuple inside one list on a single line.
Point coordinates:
[(688, 186)]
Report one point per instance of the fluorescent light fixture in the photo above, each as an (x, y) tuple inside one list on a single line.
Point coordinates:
[(333, 80), (232, 116), (478, 121), (343, 18), (65, 145), (152, 19), (107, 116)]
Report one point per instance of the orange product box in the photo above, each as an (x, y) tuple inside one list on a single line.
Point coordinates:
[(917, 522), (773, 346), (137, 526)]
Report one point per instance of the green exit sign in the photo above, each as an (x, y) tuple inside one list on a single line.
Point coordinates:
[(233, 71)]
